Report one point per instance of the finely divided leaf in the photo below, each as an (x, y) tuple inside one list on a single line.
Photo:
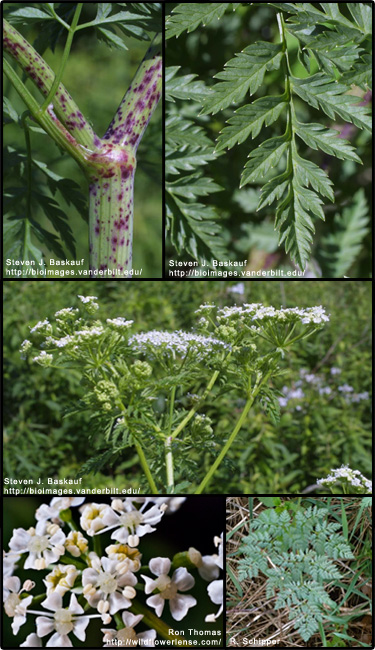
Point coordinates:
[(187, 159), (295, 223), (249, 120), (242, 74), (308, 173), (193, 230), (341, 248), (317, 136), (193, 186), (320, 91), (263, 159), (183, 86), (188, 16)]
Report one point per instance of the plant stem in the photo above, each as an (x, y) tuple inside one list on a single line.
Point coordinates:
[(111, 178), (169, 462), (65, 56), (234, 433), (194, 409), (227, 445), (43, 77), (48, 120), (146, 468)]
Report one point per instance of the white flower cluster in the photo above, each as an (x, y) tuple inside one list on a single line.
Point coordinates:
[(83, 584), (119, 323), (347, 477), (258, 312), (177, 343), (43, 326)]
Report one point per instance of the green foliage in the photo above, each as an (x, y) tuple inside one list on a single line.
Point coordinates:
[(322, 433), (297, 555), (192, 226), (188, 17), (304, 72), (351, 227)]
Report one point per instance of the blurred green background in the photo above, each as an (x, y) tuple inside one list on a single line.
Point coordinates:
[(97, 78), (195, 524), (266, 458)]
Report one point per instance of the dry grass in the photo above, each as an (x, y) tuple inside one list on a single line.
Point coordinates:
[(251, 618)]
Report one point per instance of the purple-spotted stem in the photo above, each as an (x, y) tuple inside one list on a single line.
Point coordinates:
[(109, 162)]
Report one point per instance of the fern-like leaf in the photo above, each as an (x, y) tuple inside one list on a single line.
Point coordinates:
[(250, 119), (191, 225), (263, 159), (320, 91), (242, 74), (317, 136), (188, 16), (340, 249)]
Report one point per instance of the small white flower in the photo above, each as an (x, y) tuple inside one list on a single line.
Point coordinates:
[(66, 313), (26, 345), (14, 605), (87, 299), (43, 359), (127, 635), (215, 592), (62, 622), (61, 579), (44, 547), (43, 326), (129, 558), (169, 588), (130, 523), (174, 344), (95, 517), (56, 505), (76, 544), (119, 323), (105, 588)]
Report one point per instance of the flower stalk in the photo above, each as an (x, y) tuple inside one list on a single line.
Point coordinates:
[(109, 163)]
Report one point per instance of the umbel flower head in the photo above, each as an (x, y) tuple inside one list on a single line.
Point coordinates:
[(346, 477), (175, 344)]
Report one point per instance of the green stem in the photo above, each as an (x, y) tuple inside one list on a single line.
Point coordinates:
[(43, 77), (146, 468), (196, 406), (48, 120), (155, 623), (226, 447), (169, 462), (234, 433), (65, 56)]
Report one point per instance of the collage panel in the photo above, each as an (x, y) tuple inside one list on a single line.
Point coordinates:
[(98, 572), (268, 140), (83, 153), (299, 572), (188, 388)]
